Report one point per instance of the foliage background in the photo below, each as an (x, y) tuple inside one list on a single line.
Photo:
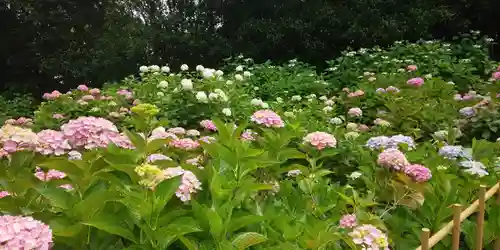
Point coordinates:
[(57, 44)]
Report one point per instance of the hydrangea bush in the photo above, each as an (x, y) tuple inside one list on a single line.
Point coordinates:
[(239, 159)]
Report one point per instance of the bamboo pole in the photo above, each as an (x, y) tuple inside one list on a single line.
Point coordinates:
[(424, 238), (466, 213), (497, 242), (480, 218), (457, 210)]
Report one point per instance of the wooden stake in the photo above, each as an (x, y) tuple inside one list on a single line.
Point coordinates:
[(480, 218), (497, 242), (424, 238), (457, 210)]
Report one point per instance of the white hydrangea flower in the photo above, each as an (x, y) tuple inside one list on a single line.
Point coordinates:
[(160, 94), (256, 102), (202, 97), (323, 98), (229, 82), (184, 67), (336, 121), (264, 105), (219, 73), (213, 96), (187, 84), (296, 98), (165, 69), (163, 85), (199, 68), (226, 111), (154, 68), (247, 74), (239, 68), (238, 77), (143, 69)]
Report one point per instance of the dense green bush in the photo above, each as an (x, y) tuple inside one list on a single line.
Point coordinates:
[(258, 156)]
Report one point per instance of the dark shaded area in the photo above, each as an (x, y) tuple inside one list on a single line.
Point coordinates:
[(56, 44)]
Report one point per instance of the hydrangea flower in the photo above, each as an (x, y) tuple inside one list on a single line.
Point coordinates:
[(392, 158), (74, 155), (196, 161), (417, 82), (17, 232), (4, 194), (185, 144), (52, 142), (189, 183), (418, 172), (207, 139), (177, 131), (320, 140), (384, 142), (157, 157), (454, 152), (467, 111), (411, 67), (192, 132), (474, 168), (248, 135), (209, 125), (267, 118), (89, 132), (369, 237), (355, 112), (378, 142), (294, 173), (161, 133), (50, 175), (348, 221), (16, 138)]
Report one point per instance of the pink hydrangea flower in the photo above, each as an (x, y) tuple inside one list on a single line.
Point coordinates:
[(193, 133), (418, 172), (267, 118), (4, 194), (356, 93), (392, 158), (17, 232), (16, 138), (369, 237), (496, 75), (209, 125), (90, 132), (160, 133), (95, 91), (417, 82), (83, 87), (51, 96), (248, 135), (189, 183), (411, 67), (120, 140), (320, 140), (348, 221), (157, 157), (58, 116), (52, 142), (185, 143), (50, 175), (207, 139), (87, 98), (177, 131), (355, 112)]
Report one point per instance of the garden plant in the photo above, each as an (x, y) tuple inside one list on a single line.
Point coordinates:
[(260, 156)]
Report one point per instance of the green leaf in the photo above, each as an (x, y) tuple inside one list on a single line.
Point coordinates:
[(94, 202), (215, 222), (63, 165), (20, 160), (190, 244), (57, 197), (138, 141), (155, 145), (112, 224), (64, 227), (248, 239), (181, 226), (243, 221)]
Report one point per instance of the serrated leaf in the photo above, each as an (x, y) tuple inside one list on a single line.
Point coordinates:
[(248, 239)]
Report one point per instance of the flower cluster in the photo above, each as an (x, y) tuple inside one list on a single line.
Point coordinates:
[(474, 168), (267, 118), (369, 237), (90, 132), (417, 82), (454, 152), (18, 232), (348, 221), (393, 159), (248, 135), (320, 140), (184, 143), (385, 142), (209, 125), (15, 138), (52, 142), (418, 172), (157, 157)]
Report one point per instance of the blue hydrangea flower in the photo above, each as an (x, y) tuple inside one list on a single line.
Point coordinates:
[(454, 152), (467, 111)]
